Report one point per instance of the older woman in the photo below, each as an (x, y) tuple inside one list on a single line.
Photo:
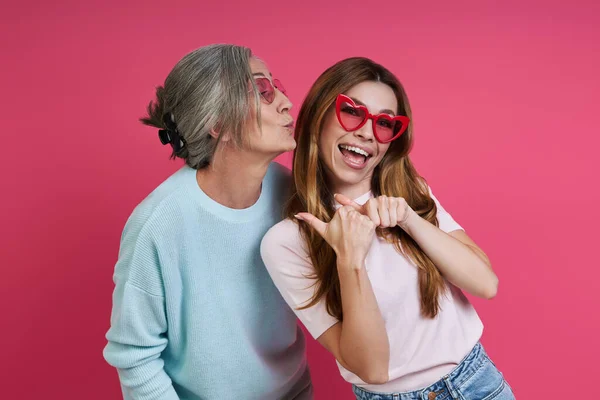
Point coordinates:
[(195, 314)]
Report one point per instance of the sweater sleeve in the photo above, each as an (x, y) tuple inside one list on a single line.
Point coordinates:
[(138, 331)]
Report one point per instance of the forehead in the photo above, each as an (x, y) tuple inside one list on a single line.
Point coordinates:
[(259, 67), (376, 96)]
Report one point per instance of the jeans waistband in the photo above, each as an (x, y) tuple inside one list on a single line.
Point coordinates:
[(441, 390)]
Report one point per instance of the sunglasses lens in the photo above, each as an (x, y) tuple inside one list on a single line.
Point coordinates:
[(350, 116), (265, 89), (388, 128), (279, 86)]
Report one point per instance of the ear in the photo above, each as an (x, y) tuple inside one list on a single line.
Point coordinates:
[(214, 132)]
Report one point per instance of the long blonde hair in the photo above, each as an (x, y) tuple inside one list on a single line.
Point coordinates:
[(395, 176)]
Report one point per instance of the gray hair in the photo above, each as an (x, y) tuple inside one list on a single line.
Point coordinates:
[(206, 90)]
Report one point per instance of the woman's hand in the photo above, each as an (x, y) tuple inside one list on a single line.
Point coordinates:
[(349, 233), (384, 211)]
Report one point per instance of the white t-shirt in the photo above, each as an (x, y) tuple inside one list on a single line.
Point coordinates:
[(422, 350)]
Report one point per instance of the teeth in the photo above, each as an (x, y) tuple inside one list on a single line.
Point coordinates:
[(355, 149)]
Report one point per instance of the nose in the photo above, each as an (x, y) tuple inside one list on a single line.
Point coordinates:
[(366, 131), (283, 102)]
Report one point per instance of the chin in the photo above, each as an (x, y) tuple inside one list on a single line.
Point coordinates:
[(349, 179), (292, 147), (289, 146), (281, 150)]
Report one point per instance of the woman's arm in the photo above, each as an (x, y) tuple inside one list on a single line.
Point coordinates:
[(360, 342), (457, 257), (138, 324)]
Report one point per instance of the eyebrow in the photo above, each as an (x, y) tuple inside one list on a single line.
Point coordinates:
[(385, 111), (261, 74)]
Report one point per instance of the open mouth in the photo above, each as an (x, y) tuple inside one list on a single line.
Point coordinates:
[(354, 156)]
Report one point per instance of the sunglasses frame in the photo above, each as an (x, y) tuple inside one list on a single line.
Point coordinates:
[(341, 98), (275, 85)]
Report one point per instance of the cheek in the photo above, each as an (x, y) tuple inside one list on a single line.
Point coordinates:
[(382, 148), (268, 117), (328, 142), (252, 119), (323, 148), (381, 151), (331, 134)]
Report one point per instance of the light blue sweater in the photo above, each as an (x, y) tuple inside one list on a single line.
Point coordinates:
[(195, 313)]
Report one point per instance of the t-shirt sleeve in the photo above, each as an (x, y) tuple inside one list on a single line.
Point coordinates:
[(445, 220), (290, 268)]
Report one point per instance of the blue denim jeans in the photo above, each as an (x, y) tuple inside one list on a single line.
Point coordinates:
[(475, 378)]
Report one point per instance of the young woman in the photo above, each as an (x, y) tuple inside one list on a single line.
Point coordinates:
[(368, 259), (195, 313)]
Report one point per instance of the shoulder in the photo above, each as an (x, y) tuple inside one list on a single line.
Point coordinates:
[(285, 233), (161, 208), (279, 171), (445, 221), (424, 187), (279, 176), (283, 244)]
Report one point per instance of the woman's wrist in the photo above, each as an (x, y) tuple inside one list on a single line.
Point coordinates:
[(408, 220), (350, 263)]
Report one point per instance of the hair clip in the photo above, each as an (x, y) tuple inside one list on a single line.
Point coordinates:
[(171, 135)]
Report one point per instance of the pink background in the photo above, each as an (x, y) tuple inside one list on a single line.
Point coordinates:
[(505, 98)]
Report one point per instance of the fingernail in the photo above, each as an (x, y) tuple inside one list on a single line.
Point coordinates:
[(298, 217)]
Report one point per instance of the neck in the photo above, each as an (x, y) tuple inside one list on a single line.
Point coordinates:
[(355, 190), (234, 177)]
